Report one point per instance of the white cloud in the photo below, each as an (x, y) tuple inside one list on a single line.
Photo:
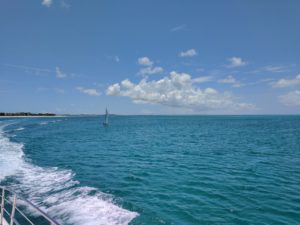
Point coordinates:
[(151, 70), (31, 70), (59, 73), (176, 90), (230, 80), (47, 3), (117, 59), (203, 79), (115, 89), (145, 61), (188, 53), (286, 82), (291, 99), (89, 91), (236, 62), (181, 27), (149, 67), (275, 69)]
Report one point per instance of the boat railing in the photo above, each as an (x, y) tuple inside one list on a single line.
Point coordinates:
[(11, 213)]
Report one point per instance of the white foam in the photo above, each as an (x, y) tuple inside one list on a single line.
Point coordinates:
[(56, 192), (20, 128), (10, 160), (51, 121)]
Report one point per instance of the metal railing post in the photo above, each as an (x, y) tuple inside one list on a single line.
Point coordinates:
[(2, 206), (13, 209), (11, 214)]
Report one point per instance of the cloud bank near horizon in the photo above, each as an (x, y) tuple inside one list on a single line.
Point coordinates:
[(177, 90)]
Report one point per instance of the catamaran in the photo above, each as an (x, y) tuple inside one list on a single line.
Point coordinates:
[(105, 123)]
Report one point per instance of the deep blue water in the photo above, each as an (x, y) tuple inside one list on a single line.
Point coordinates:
[(211, 170)]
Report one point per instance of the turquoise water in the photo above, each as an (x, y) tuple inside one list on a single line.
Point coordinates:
[(211, 170)]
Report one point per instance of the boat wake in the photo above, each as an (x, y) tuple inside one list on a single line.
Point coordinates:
[(56, 191)]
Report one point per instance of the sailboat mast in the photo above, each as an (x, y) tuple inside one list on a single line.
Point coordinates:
[(105, 122), (106, 116)]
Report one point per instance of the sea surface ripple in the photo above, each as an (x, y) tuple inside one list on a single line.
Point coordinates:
[(211, 170)]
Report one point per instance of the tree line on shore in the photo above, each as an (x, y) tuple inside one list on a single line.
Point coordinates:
[(25, 114)]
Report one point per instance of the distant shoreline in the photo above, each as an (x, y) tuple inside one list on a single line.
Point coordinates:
[(26, 114), (31, 116)]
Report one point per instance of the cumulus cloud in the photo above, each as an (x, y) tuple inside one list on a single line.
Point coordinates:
[(151, 70), (236, 62), (89, 91), (59, 73), (176, 90), (282, 83), (188, 53), (145, 61), (230, 80), (47, 3), (291, 99)]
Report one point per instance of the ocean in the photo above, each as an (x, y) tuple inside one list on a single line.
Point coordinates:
[(210, 170)]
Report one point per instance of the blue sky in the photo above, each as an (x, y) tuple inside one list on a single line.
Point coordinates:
[(150, 57)]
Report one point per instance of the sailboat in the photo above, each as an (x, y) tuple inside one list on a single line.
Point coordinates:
[(105, 122)]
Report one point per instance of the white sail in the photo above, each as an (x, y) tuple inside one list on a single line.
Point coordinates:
[(106, 117)]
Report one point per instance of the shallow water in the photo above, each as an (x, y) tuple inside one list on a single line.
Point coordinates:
[(156, 169)]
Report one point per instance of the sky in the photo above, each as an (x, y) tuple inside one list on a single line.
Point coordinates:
[(150, 56)]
